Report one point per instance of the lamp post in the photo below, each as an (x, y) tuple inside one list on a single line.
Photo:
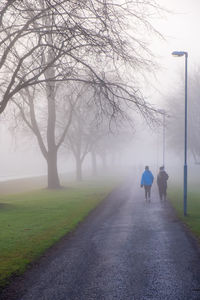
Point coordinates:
[(179, 54)]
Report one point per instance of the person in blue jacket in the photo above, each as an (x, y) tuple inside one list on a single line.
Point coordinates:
[(147, 181)]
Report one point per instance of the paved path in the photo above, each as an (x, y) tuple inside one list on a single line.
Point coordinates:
[(126, 249)]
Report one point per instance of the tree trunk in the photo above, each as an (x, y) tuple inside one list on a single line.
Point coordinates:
[(53, 178), (94, 163), (78, 169)]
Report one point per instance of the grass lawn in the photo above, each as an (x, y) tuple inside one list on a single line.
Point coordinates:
[(33, 221), (192, 220)]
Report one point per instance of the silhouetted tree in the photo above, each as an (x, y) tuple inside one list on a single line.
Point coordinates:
[(74, 39), (43, 42)]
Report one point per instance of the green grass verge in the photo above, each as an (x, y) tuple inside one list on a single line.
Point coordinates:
[(192, 220), (33, 221)]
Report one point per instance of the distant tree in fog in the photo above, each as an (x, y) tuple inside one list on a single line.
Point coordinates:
[(82, 133), (91, 130), (111, 147), (44, 42), (176, 104)]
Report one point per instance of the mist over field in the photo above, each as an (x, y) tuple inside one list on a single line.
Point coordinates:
[(120, 145), (23, 159)]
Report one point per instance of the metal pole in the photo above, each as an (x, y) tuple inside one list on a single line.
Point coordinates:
[(185, 148), (163, 138)]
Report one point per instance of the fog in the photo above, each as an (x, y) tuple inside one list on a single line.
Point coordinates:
[(20, 156)]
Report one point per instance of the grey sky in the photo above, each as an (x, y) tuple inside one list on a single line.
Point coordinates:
[(180, 30)]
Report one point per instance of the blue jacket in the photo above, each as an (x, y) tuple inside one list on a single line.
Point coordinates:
[(147, 178)]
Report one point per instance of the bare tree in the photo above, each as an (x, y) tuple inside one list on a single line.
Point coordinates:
[(86, 127), (44, 42), (77, 38), (94, 132), (37, 122)]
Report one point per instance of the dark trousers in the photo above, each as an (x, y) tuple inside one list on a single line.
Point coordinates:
[(162, 192), (147, 189)]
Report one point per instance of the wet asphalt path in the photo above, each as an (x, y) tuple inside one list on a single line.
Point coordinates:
[(126, 249)]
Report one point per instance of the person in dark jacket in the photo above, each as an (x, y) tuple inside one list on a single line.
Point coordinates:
[(162, 183), (147, 181)]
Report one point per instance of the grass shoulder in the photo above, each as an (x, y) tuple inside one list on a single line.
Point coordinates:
[(192, 220), (31, 222)]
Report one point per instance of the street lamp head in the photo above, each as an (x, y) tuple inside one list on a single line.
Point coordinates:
[(179, 53)]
